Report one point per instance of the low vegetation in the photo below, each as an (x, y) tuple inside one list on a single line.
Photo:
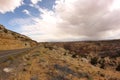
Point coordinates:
[(58, 61)]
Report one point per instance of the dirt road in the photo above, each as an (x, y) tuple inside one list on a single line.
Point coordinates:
[(5, 53)]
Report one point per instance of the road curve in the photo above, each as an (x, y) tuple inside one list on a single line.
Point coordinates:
[(5, 53)]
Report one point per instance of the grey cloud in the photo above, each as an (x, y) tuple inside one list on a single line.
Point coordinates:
[(91, 18), (75, 20)]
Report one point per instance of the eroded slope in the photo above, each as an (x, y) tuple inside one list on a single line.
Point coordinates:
[(13, 40)]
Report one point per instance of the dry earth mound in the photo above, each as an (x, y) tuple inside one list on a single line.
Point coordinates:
[(13, 40)]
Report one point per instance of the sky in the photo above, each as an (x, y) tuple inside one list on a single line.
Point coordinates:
[(62, 20)]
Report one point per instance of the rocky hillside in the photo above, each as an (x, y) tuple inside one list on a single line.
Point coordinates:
[(60, 61), (103, 54), (13, 40)]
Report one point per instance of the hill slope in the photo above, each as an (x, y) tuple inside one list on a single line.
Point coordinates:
[(13, 40), (51, 61)]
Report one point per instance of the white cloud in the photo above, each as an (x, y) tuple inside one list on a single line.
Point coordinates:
[(9, 5), (35, 1), (26, 11), (21, 21), (76, 20), (116, 5)]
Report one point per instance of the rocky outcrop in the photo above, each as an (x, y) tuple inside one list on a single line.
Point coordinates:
[(13, 40)]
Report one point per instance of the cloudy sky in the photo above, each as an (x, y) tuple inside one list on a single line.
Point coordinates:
[(62, 20)]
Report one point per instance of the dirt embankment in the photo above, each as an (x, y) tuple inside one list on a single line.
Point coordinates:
[(13, 40)]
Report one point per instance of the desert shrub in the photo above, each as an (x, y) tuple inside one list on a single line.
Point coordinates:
[(118, 68), (102, 66), (94, 61), (5, 30), (74, 56)]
